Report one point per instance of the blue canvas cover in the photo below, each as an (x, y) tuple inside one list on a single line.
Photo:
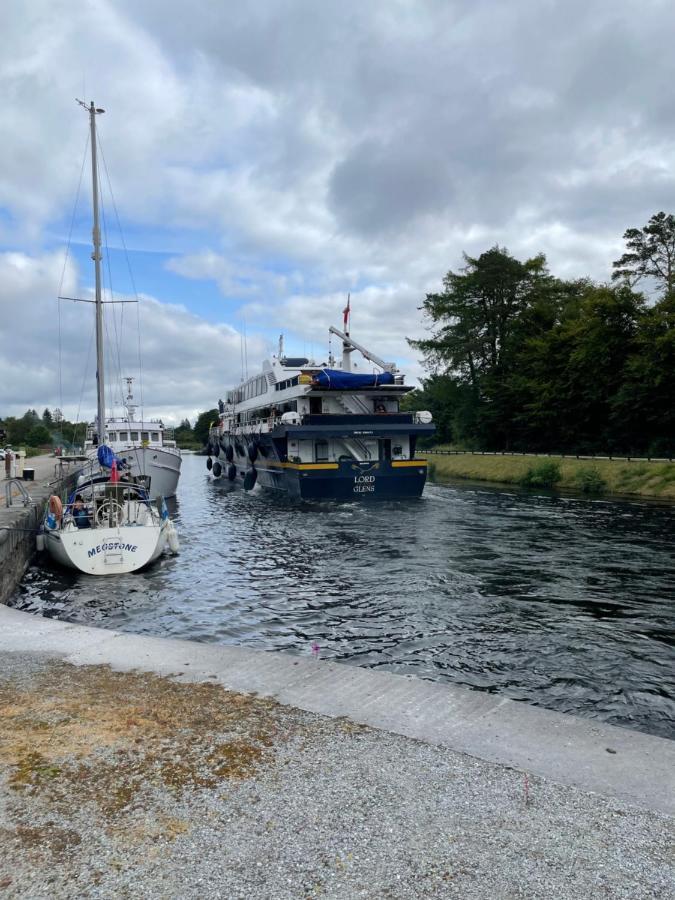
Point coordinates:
[(338, 380), (106, 456)]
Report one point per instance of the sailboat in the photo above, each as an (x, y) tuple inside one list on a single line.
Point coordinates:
[(109, 524)]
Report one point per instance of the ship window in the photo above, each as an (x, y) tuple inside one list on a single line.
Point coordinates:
[(112, 435), (145, 436), (124, 435), (155, 435), (134, 435), (321, 451)]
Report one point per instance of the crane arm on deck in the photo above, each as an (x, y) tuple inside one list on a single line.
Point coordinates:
[(352, 345)]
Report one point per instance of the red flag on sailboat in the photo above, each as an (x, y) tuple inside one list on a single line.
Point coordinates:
[(114, 474), (346, 310)]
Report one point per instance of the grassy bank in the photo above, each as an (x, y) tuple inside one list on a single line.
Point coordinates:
[(588, 476)]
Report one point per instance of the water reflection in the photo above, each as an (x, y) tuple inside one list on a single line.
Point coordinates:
[(565, 603)]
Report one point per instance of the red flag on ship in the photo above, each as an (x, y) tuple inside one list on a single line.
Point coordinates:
[(114, 474), (346, 310)]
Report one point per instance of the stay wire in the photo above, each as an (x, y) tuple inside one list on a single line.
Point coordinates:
[(133, 285), (118, 337), (65, 264)]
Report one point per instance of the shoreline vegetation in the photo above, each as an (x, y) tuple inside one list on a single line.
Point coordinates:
[(519, 359), (591, 477)]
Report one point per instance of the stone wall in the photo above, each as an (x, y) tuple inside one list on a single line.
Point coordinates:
[(17, 546)]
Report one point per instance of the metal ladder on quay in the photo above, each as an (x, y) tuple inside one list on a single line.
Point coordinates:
[(17, 483)]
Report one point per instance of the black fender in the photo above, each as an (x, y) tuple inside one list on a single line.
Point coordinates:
[(231, 471), (250, 479), (252, 451), (209, 463), (229, 453), (217, 469)]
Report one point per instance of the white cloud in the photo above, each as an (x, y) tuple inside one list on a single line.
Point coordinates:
[(186, 362)]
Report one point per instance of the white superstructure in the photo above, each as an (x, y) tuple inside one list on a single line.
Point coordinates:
[(146, 446)]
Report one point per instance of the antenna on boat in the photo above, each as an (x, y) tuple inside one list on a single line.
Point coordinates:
[(241, 351), (281, 346), (129, 402), (346, 346), (96, 256)]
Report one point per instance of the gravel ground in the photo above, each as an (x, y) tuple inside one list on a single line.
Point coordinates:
[(132, 785)]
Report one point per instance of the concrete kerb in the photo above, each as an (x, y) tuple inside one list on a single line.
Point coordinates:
[(581, 753)]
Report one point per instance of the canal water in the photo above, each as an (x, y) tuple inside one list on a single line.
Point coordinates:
[(565, 603)]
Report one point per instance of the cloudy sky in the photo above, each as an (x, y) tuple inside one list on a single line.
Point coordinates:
[(266, 159)]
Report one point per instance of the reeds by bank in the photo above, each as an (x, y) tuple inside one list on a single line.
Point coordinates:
[(593, 477)]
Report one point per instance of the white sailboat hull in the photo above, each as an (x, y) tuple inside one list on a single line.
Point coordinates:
[(107, 551)]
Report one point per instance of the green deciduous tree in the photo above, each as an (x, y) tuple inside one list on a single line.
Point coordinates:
[(202, 425), (651, 253), (520, 360), (38, 436)]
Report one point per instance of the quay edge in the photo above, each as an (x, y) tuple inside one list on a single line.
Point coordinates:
[(580, 753), (19, 524)]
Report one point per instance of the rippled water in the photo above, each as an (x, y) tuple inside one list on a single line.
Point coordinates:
[(565, 603)]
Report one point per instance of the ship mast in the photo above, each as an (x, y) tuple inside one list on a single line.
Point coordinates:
[(96, 256)]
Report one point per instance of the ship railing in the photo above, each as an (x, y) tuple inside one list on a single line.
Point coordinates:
[(268, 423)]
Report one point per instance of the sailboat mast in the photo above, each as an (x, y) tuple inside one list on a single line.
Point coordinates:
[(96, 256)]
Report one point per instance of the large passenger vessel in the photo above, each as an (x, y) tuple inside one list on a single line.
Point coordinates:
[(329, 431)]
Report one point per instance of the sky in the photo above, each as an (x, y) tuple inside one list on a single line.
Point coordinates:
[(265, 160)]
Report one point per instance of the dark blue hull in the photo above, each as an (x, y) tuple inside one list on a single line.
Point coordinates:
[(384, 480), (263, 459), (346, 481)]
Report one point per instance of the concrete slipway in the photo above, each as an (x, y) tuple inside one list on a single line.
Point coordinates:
[(560, 781), (616, 762)]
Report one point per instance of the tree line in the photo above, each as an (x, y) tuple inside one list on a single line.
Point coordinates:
[(521, 360), (52, 430)]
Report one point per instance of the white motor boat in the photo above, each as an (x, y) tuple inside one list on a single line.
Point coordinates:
[(144, 447)]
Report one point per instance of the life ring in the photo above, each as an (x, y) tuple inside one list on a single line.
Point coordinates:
[(56, 507)]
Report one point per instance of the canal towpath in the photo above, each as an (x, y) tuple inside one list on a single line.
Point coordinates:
[(138, 766)]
